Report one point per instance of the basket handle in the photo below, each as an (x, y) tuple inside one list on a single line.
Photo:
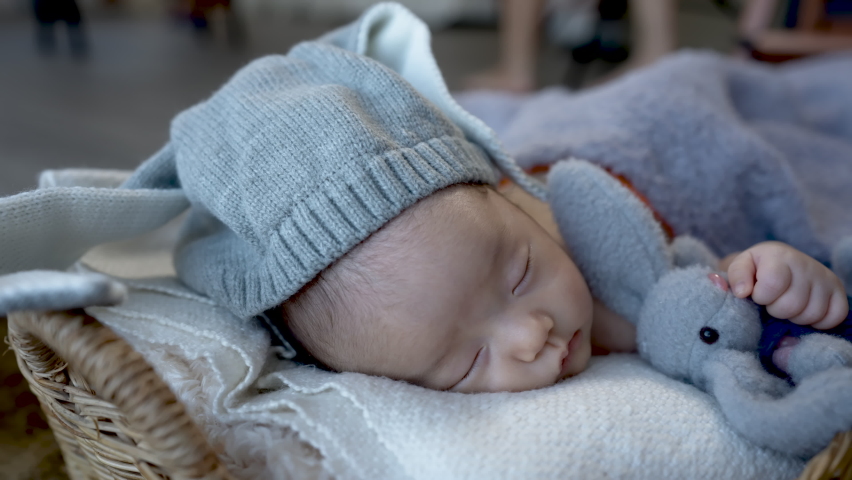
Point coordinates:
[(120, 375)]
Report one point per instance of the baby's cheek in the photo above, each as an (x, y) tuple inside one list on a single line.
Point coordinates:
[(516, 377)]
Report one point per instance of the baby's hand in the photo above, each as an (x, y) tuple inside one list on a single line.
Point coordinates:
[(791, 284)]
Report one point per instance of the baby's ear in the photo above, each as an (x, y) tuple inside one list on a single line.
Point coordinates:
[(610, 234)]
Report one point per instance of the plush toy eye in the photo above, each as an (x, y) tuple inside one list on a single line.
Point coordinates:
[(708, 335)]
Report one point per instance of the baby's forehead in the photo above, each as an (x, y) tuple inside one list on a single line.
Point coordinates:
[(471, 211)]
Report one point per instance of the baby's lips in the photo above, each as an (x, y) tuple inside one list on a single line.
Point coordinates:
[(718, 281)]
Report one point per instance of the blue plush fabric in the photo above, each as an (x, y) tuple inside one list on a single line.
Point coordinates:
[(728, 151)]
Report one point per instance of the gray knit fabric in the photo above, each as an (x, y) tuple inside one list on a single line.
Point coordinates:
[(293, 162)]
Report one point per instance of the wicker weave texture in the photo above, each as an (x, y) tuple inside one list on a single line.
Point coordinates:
[(835, 462), (112, 416)]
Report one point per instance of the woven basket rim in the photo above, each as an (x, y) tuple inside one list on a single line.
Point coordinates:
[(106, 405)]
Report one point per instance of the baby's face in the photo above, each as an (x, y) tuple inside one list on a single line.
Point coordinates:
[(476, 297)]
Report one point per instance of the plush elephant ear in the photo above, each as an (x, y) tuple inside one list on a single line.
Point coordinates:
[(610, 234), (688, 251)]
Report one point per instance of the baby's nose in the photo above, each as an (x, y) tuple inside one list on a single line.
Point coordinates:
[(532, 336), (718, 280)]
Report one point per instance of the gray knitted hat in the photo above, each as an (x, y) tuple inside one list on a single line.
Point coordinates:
[(297, 159)]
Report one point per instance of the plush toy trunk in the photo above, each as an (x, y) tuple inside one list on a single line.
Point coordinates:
[(115, 418)]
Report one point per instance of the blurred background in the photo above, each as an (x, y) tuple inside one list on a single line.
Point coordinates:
[(101, 93), (94, 83)]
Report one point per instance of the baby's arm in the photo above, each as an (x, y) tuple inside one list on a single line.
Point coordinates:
[(789, 283)]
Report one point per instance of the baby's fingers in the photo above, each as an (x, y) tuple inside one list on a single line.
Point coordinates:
[(741, 273), (773, 279), (803, 306), (838, 309)]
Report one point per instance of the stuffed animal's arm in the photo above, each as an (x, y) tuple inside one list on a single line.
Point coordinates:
[(745, 370), (817, 352), (800, 423)]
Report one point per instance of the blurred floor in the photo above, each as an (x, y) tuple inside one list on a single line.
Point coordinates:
[(112, 109)]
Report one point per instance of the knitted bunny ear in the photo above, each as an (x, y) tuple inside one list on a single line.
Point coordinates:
[(610, 234), (52, 227)]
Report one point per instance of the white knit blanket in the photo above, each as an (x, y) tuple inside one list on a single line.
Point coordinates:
[(271, 419)]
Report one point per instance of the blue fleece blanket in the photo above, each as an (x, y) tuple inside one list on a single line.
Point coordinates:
[(732, 152)]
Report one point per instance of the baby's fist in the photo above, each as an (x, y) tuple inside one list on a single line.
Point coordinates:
[(790, 284)]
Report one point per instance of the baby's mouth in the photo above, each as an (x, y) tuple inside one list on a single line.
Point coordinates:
[(566, 357)]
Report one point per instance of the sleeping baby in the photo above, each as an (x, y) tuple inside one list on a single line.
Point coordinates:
[(358, 215), (464, 291)]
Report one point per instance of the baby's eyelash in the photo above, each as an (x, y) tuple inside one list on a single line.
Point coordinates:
[(474, 363), (526, 275), (472, 367)]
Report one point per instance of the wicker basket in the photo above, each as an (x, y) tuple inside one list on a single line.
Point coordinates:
[(113, 417)]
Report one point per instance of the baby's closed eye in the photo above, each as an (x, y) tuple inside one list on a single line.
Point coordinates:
[(523, 282)]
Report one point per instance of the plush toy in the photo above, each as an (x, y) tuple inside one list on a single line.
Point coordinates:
[(689, 324)]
